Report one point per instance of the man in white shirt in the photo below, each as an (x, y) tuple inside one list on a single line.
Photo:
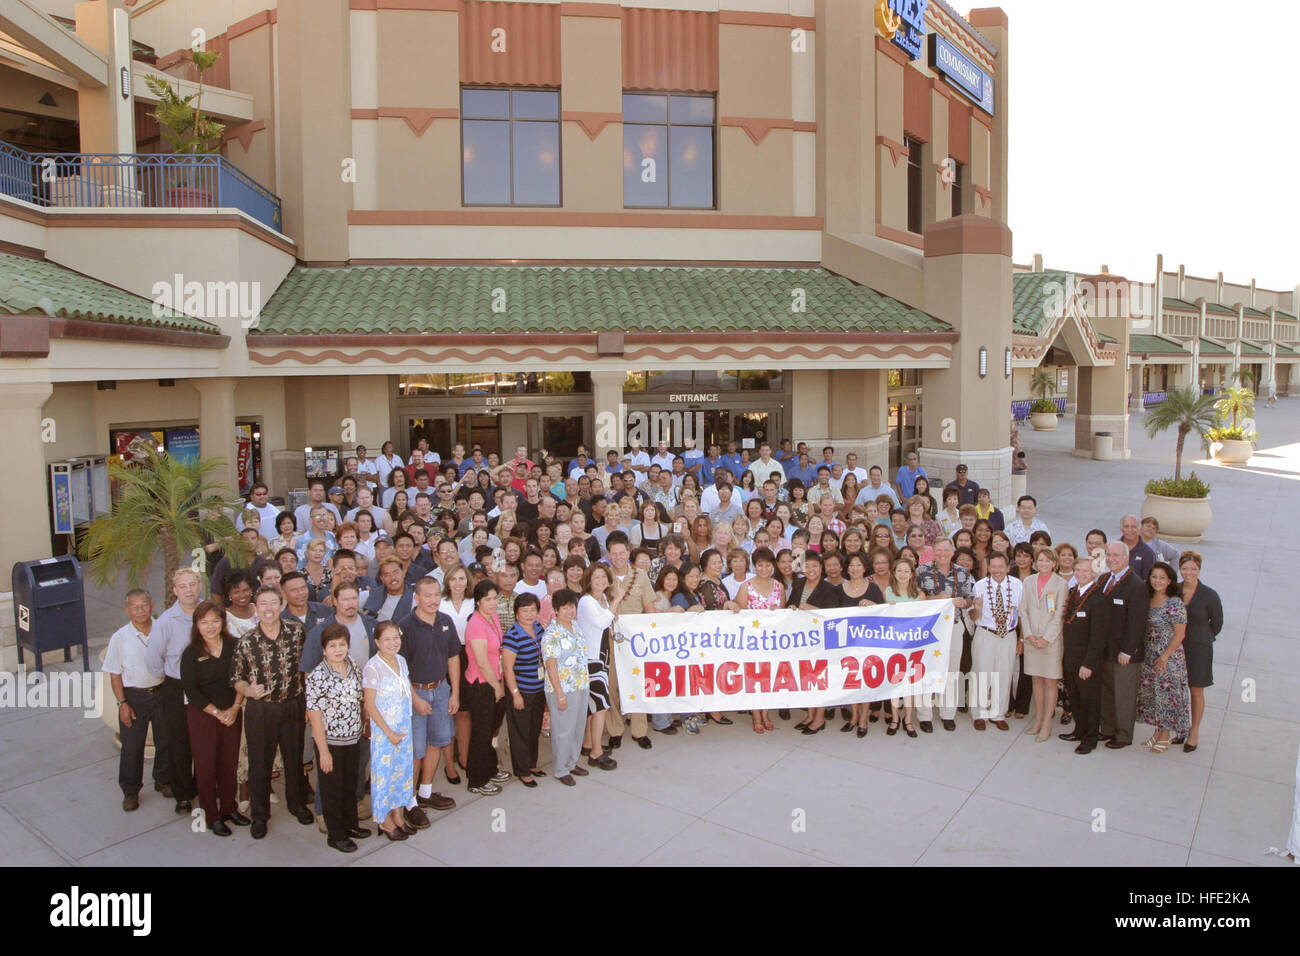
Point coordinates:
[(875, 487), (709, 496), (531, 582), (386, 462), (257, 500), (365, 464), (580, 463), (663, 457), (430, 457), (136, 689), (766, 466), (637, 460), (851, 467), (1025, 524), (995, 646)]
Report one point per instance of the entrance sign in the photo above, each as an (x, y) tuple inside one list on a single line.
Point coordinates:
[(725, 660)]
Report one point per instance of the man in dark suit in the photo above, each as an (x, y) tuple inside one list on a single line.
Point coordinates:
[(1087, 623), (1125, 646)]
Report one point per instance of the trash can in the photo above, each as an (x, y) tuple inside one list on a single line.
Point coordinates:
[(50, 608), (1103, 446)]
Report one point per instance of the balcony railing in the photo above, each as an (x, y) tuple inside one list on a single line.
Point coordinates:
[(133, 181)]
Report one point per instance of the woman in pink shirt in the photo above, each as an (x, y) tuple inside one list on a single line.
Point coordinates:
[(486, 703)]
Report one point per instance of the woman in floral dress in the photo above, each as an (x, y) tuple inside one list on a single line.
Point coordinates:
[(387, 686), (1163, 693), (564, 663)]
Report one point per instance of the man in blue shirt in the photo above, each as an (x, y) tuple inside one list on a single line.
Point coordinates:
[(708, 465), (908, 472), (733, 462), (803, 469), (612, 464)]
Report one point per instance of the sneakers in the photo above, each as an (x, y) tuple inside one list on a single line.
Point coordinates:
[(501, 776), (691, 725), (488, 789), (667, 731)]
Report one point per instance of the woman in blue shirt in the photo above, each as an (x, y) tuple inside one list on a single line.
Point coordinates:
[(521, 664)]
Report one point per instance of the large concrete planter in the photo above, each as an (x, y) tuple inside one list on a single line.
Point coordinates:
[(1181, 519), (1234, 452), (1043, 421)]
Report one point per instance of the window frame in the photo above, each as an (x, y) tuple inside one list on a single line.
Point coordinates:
[(509, 120), (668, 124), (915, 185)]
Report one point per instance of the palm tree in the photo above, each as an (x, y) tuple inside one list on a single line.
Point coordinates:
[(165, 505), (1235, 401), (1042, 384), (1188, 411)]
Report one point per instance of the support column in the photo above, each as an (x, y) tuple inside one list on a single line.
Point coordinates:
[(217, 428), (1135, 387), (1072, 392), (607, 403), (27, 524), (857, 408), (966, 417)]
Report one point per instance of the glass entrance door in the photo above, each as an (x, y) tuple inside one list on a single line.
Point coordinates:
[(752, 429), (436, 430)]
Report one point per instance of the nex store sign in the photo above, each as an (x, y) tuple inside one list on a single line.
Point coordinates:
[(903, 22)]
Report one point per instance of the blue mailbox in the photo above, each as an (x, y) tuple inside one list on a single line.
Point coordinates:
[(50, 608)]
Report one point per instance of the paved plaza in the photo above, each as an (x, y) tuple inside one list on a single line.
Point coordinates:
[(729, 796)]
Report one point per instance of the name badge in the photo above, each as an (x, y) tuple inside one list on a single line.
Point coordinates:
[(1119, 601), (1051, 604), (1081, 614)]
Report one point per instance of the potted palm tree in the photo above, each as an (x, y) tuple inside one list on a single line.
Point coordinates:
[(188, 131), (1043, 412), (1182, 505), (1233, 441), (164, 506)]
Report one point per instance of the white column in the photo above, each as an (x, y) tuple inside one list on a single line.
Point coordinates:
[(217, 428)]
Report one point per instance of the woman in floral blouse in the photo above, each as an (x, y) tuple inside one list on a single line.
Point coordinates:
[(334, 702), (564, 657)]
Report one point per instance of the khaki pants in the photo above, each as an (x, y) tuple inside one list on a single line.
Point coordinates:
[(993, 660), (614, 716)]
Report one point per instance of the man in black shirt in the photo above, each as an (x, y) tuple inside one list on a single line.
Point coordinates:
[(432, 651)]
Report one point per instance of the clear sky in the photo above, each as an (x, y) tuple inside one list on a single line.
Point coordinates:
[(1156, 126)]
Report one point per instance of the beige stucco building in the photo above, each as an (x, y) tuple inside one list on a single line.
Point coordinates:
[(495, 221)]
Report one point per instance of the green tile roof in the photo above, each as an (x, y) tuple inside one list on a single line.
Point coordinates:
[(1248, 349), (1285, 315), (1154, 345), (1108, 339), (1254, 313), (1036, 298), (1213, 348), (1179, 305), (37, 287), (1214, 308), (1286, 350), (414, 299)]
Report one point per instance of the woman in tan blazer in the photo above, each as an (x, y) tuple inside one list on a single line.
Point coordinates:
[(1042, 614)]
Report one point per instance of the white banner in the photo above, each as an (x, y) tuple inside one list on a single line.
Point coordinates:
[(759, 660)]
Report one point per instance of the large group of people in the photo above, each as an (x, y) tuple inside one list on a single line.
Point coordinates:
[(389, 627)]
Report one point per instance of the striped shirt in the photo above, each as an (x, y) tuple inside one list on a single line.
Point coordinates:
[(528, 658)]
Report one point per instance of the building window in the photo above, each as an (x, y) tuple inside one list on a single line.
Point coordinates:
[(494, 383), (915, 221), (958, 171), (668, 151), (510, 147)]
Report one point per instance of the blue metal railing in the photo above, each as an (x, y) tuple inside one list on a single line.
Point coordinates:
[(1153, 398), (134, 180)]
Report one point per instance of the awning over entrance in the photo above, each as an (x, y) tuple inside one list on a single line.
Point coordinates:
[(647, 315)]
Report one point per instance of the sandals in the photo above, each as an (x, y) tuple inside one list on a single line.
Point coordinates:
[(1160, 746), (758, 727)]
